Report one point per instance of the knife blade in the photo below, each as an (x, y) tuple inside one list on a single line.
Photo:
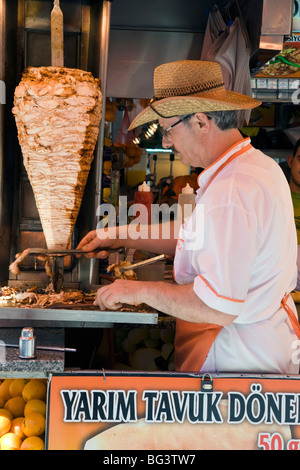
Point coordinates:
[(142, 263), (45, 251)]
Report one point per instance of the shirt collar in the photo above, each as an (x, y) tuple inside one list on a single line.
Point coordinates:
[(207, 174)]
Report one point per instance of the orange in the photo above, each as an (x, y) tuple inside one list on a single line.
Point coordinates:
[(16, 406), (16, 427), (10, 441), (33, 443), (34, 424), (4, 389), (2, 402), (35, 405), (16, 387), (34, 389), (5, 421)]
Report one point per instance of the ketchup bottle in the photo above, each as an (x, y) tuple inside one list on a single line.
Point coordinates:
[(144, 196)]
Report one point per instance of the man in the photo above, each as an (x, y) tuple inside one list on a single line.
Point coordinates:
[(230, 300), (293, 162)]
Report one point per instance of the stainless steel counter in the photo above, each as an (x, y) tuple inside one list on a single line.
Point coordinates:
[(71, 318)]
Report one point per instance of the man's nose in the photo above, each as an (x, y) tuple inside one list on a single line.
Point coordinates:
[(166, 143)]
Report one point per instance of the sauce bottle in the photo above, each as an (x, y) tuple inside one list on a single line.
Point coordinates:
[(144, 196), (186, 201)]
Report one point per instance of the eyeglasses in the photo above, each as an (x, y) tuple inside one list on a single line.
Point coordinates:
[(165, 132)]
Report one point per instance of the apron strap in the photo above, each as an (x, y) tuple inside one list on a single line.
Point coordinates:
[(291, 315)]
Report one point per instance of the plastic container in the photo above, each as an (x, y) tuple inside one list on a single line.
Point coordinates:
[(186, 201), (144, 196)]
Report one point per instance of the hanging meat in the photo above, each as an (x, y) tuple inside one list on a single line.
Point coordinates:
[(58, 112)]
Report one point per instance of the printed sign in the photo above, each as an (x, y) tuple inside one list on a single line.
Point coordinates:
[(285, 64), (296, 16), (160, 411)]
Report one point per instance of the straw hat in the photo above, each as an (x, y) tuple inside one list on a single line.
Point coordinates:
[(190, 86)]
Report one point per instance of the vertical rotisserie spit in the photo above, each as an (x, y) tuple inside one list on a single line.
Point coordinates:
[(58, 112)]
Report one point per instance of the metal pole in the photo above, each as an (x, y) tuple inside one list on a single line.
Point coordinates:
[(104, 44)]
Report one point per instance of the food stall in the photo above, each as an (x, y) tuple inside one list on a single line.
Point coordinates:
[(71, 376)]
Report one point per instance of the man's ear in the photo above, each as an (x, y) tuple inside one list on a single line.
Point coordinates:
[(203, 121), (289, 160)]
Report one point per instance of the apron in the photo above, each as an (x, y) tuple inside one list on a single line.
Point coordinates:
[(293, 319), (193, 341)]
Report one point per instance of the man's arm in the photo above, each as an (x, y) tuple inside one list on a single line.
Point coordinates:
[(179, 301), (159, 238)]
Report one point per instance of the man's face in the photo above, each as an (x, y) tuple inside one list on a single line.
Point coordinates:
[(184, 139), (294, 164), (173, 138)]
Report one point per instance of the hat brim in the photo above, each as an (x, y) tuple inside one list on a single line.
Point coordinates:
[(223, 100)]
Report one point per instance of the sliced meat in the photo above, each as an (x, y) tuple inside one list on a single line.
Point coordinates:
[(58, 112)]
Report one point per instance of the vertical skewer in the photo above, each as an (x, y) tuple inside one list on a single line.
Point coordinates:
[(57, 36)]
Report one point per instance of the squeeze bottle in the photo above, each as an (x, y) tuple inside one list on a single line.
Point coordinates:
[(144, 196), (186, 202)]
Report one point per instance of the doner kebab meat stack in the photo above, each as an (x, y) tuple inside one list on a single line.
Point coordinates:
[(58, 112)]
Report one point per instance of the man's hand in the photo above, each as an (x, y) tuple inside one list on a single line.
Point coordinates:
[(112, 296), (91, 243)]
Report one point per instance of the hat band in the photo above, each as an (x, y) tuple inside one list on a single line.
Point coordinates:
[(196, 89), (190, 90)]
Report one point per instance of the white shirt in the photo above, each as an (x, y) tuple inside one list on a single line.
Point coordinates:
[(247, 261)]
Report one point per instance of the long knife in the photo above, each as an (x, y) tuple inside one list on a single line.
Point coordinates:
[(45, 251)]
